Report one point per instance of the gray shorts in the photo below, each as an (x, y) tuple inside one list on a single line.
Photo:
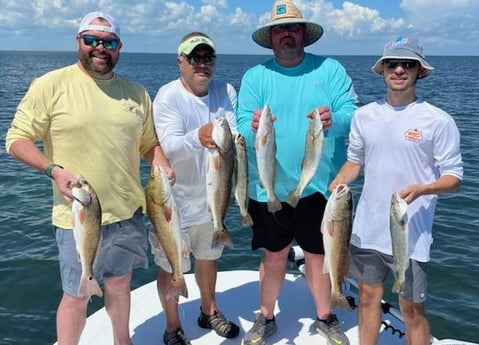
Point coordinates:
[(196, 240), (372, 267), (124, 247)]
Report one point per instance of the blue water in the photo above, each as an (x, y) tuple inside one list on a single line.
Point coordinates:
[(30, 285)]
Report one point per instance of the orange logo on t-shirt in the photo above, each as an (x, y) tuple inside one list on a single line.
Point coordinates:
[(414, 135)]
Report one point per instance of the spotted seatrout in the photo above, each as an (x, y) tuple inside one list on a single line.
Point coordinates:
[(312, 156), (400, 241), (219, 179), (86, 220), (163, 214), (265, 145), (241, 181), (336, 227)]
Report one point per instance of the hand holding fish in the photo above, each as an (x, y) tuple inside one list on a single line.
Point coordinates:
[(65, 180), (348, 173), (170, 173), (324, 115), (255, 120), (205, 134), (411, 193)]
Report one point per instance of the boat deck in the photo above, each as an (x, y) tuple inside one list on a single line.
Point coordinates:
[(237, 296)]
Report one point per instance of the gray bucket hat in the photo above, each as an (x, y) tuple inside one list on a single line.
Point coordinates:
[(403, 47), (285, 12)]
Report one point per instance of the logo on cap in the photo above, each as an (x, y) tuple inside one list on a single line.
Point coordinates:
[(400, 41), (281, 9)]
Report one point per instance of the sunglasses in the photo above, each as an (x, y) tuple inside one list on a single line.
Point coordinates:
[(93, 41), (280, 29), (195, 59), (406, 64)]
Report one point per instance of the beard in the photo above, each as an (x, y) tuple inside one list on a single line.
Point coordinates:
[(289, 53), (98, 68)]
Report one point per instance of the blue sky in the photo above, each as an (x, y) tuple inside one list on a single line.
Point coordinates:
[(356, 27)]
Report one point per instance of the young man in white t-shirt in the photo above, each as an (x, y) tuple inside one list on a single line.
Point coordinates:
[(404, 145)]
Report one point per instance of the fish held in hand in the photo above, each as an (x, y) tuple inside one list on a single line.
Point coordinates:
[(265, 145), (311, 159), (241, 180), (399, 229), (219, 177), (86, 220), (336, 227), (163, 214)]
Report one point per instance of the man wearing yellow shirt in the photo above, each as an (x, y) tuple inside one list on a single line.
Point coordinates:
[(97, 124)]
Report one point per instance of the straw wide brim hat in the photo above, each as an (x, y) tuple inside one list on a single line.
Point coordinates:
[(285, 12)]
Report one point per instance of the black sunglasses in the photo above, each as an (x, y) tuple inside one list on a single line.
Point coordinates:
[(406, 64), (282, 28), (195, 59), (93, 41)]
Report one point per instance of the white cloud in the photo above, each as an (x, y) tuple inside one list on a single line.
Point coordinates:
[(444, 22), (354, 20), (157, 25), (216, 3)]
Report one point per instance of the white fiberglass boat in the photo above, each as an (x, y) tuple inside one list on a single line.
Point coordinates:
[(237, 294)]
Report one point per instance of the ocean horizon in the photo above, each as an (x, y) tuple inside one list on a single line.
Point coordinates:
[(31, 288)]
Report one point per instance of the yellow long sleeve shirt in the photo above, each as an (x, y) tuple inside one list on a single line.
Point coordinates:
[(98, 129)]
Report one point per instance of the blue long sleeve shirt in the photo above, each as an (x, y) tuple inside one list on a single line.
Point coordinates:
[(292, 93)]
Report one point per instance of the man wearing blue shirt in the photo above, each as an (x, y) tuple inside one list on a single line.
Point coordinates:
[(294, 84)]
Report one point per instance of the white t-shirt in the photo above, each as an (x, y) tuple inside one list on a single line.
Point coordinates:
[(178, 115), (399, 146)]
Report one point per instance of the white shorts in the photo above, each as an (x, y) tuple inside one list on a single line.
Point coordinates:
[(197, 239)]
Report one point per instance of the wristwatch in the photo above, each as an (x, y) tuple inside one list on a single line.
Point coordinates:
[(49, 168)]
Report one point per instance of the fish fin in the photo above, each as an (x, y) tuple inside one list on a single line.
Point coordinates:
[(221, 237), (217, 162), (293, 198), (246, 219), (274, 205), (177, 288), (168, 213), (338, 300), (89, 286), (97, 250), (327, 227), (263, 140), (326, 264), (81, 215), (185, 250), (398, 287)]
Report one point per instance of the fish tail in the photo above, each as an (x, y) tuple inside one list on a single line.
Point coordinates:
[(246, 219), (398, 286), (293, 198), (89, 286), (274, 205), (177, 288), (221, 237), (185, 250), (338, 300)]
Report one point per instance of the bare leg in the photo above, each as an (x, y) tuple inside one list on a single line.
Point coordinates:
[(205, 274), (369, 313), (117, 305), (272, 270), (170, 306), (71, 318), (417, 326), (319, 283)]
